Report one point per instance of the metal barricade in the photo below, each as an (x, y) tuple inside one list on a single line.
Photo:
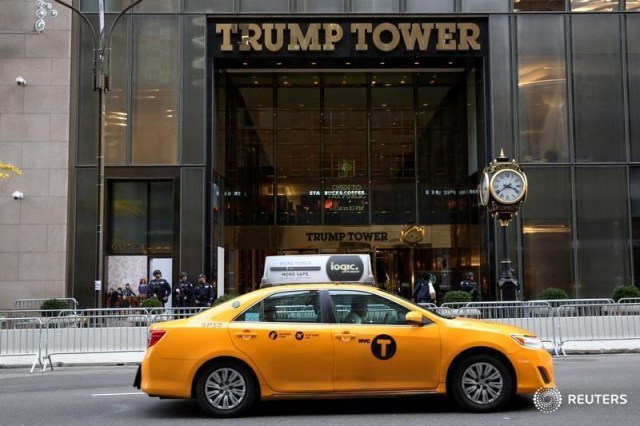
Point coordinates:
[(35, 304), (20, 338), (537, 317), (82, 335), (169, 314), (116, 334), (598, 322)]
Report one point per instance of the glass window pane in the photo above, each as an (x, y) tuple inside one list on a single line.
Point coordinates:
[(109, 5), (633, 56), (538, 5), (547, 232), (161, 217), (299, 154), (485, 5), (542, 88), (193, 91), (88, 98), (594, 5), (442, 147), (602, 230), (116, 119), (271, 6), (299, 306), (158, 6), (345, 152), (375, 5), (501, 83), (129, 218), (355, 307), (392, 149), (597, 76), (155, 92), (634, 188), (208, 6), (320, 6), (633, 5), (432, 6), (250, 167)]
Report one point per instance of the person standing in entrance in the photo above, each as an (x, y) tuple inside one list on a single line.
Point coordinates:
[(159, 287), (424, 291), (470, 286), (182, 293), (203, 292), (128, 296), (142, 290)]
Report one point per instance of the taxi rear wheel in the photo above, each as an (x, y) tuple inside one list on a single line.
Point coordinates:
[(226, 389), (482, 383)]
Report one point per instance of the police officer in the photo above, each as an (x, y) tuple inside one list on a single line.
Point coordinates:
[(470, 286), (182, 292), (204, 294), (159, 287)]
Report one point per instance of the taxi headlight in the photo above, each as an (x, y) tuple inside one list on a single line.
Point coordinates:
[(528, 341)]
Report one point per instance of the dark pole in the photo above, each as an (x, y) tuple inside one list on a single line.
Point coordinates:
[(507, 283), (101, 54)]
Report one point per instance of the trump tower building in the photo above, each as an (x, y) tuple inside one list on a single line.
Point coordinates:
[(237, 129)]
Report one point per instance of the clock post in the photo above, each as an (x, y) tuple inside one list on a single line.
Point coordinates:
[(503, 190)]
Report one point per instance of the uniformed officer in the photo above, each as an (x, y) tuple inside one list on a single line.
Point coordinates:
[(204, 294), (470, 286), (182, 292), (159, 287)]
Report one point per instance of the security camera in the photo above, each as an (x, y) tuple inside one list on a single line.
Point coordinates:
[(17, 195), (20, 81)]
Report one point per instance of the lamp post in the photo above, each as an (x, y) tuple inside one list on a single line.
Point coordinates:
[(503, 190), (101, 42)]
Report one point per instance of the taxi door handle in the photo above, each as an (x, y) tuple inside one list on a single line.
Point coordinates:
[(246, 335), (345, 336)]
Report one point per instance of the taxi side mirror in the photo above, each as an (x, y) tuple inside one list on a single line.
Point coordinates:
[(414, 317)]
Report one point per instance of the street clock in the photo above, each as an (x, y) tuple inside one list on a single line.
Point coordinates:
[(508, 186), (503, 186)]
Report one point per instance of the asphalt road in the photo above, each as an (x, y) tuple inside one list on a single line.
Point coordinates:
[(98, 396)]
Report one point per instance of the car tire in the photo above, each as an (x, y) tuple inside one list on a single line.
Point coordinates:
[(226, 389), (482, 383)]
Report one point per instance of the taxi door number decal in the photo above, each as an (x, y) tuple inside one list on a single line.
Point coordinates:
[(383, 347)]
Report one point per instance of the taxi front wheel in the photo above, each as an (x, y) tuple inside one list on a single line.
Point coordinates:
[(226, 389), (482, 383)]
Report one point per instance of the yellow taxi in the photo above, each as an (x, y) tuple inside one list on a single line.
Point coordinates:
[(332, 340)]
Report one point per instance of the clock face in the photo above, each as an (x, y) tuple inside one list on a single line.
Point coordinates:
[(484, 189), (508, 186)]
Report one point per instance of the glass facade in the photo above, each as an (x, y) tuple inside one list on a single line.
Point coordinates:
[(379, 146)]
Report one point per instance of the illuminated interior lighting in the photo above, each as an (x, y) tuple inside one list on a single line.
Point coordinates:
[(546, 229)]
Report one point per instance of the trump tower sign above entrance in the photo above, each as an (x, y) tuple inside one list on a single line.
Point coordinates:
[(443, 36)]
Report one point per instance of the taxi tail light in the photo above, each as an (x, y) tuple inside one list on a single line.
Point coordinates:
[(155, 336)]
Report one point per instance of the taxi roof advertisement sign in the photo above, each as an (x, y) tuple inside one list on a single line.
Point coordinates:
[(317, 268)]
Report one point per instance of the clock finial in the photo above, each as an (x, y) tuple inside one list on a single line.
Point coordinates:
[(501, 158)]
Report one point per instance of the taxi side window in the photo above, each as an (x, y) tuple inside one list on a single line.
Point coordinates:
[(291, 306), (365, 308)]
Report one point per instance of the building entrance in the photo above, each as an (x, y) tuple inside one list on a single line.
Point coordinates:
[(337, 161)]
